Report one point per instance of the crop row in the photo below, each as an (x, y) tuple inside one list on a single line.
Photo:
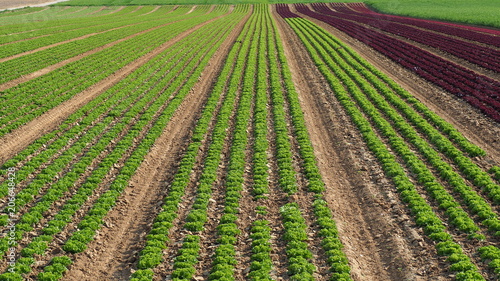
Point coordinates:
[(82, 120), (223, 133), (56, 225), (16, 12), (223, 259), (409, 106), (481, 55), (300, 265), (86, 232), (60, 143), (480, 91), (328, 233), (22, 28), (260, 58), (350, 89), (55, 168), (441, 143), (55, 14), (261, 262)]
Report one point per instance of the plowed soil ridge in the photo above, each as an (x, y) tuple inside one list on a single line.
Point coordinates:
[(115, 11)]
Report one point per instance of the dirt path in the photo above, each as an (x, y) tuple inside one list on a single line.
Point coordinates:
[(43, 71), (476, 127), (192, 9), (370, 220), (115, 260), (136, 9), (18, 139), (152, 11)]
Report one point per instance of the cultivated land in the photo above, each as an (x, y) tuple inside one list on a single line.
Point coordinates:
[(320, 141)]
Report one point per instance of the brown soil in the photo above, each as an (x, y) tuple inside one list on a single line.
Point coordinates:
[(141, 198), (136, 9), (370, 220), (96, 11)]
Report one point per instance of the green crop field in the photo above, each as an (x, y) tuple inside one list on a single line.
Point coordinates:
[(150, 140)]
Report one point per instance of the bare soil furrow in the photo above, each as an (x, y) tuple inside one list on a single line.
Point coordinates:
[(247, 214), (63, 42), (152, 11)]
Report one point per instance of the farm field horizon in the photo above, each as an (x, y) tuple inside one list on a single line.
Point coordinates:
[(249, 141)]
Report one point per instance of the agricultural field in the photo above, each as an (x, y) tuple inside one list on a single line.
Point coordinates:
[(321, 141)]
